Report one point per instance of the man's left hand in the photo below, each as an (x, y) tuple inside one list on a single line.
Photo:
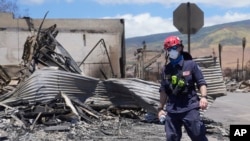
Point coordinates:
[(203, 103)]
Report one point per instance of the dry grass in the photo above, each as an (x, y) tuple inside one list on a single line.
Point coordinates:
[(229, 55)]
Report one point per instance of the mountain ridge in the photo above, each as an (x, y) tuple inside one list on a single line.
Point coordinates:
[(200, 35), (205, 42)]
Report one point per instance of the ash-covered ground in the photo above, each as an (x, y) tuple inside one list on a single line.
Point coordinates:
[(109, 128)]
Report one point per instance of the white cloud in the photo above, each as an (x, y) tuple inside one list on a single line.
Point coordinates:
[(224, 3), (228, 17), (145, 24)]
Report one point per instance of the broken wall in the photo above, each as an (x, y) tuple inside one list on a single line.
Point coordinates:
[(77, 36)]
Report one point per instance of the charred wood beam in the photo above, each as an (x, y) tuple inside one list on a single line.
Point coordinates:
[(53, 113), (6, 106), (33, 125), (86, 108), (69, 104), (83, 115), (54, 61), (19, 103)]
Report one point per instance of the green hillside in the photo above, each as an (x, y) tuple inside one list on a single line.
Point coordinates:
[(226, 34)]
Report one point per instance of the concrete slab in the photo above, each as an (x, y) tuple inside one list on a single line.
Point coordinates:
[(234, 108)]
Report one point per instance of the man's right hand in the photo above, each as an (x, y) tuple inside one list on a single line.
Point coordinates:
[(161, 112)]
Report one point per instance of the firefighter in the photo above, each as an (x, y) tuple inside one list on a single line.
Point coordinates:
[(179, 102)]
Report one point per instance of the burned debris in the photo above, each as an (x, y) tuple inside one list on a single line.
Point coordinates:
[(52, 93), (49, 93), (44, 50), (234, 86)]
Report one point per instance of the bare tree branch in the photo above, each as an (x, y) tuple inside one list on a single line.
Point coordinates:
[(9, 6)]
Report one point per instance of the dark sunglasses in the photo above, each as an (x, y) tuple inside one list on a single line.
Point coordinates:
[(172, 48)]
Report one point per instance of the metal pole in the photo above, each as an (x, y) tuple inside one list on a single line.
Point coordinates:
[(220, 49), (158, 74), (214, 56), (143, 55), (188, 25), (237, 75), (142, 64), (243, 46)]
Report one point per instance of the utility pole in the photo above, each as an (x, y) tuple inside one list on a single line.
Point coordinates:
[(243, 46), (142, 61), (220, 49), (214, 56), (237, 70), (159, 71)]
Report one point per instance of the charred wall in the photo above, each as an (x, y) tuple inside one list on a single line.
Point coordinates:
[(78, 36)]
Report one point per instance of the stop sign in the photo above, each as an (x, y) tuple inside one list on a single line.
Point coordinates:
[(188, 15)]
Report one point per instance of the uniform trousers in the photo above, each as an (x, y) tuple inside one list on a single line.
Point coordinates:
[(191, 121)]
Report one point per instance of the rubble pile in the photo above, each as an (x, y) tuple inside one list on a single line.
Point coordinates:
[(48, 95), (234, 86), (63, 119)]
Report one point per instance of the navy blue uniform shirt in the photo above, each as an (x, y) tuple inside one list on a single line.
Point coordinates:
[(193, 78)]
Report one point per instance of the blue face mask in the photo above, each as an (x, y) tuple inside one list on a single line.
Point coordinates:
[(176, 61), (173, 54)]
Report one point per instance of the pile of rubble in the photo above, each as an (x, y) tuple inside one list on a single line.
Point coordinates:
[(48, 93), (234, 86)]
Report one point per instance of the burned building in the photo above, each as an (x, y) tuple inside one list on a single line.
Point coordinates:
[(96, 45)]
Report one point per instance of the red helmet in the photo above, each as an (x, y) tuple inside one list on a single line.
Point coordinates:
[(171, 41)]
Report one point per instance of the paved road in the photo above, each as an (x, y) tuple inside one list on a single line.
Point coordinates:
[(234, 108)]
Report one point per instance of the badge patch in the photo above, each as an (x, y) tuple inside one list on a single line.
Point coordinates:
[(186, 73)]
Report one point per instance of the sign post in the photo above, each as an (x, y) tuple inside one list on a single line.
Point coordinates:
[(188, 19)]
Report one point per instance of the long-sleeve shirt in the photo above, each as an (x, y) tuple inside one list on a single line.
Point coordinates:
[(188, 99)]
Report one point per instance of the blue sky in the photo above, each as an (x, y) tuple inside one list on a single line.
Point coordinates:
[(142, 17)]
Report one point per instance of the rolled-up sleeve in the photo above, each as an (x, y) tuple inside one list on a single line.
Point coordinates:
[(198, 75)]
